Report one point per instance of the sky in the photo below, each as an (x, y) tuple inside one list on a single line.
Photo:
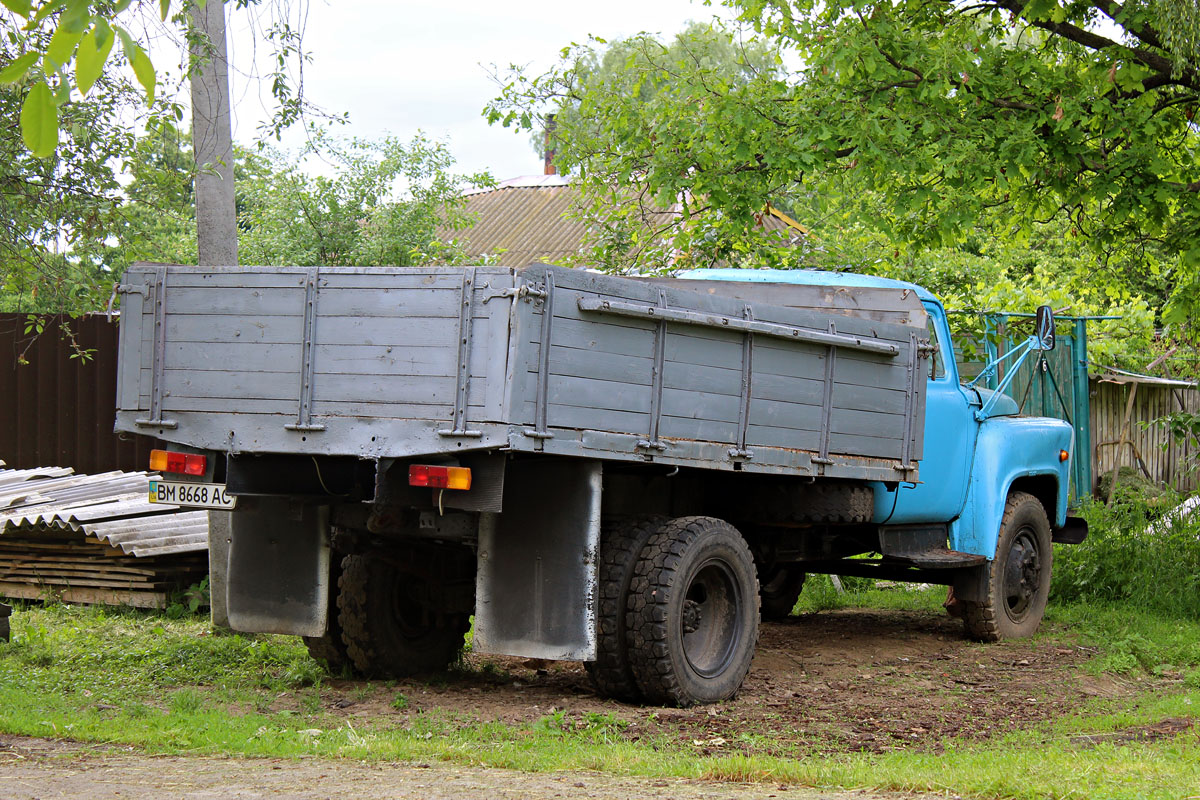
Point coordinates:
[(399, 67)]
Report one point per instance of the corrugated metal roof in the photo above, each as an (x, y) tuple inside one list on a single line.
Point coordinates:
[(111, 508), (529, 219), (525, 224)]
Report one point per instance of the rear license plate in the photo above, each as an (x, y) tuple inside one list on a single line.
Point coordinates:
[(199, 495)]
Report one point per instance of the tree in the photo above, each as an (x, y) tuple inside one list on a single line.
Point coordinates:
[(645, 83), (78, 99), (65, 46), (382, 206), (1012, 113), (56, 212)]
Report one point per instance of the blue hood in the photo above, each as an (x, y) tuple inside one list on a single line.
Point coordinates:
[(1005, 406)]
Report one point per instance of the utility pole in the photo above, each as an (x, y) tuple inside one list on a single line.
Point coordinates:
[(212, 140), (216, 221)]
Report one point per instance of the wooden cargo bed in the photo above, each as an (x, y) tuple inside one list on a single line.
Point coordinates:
[(392, 363)]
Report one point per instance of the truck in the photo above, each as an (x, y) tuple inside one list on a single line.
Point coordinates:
[(630, 472)]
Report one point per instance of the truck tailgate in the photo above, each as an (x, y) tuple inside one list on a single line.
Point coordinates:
[(265, 359)]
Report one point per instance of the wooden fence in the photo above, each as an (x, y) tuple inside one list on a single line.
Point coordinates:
[(1149, 447)]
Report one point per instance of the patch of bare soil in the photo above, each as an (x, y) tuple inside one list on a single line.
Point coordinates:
[(844, 681), (37, 769)]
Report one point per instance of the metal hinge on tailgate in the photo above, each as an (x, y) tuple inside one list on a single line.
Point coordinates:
[(158, 297), (304, 421)]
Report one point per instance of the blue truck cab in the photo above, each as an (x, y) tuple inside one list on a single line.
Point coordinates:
[(993, 484)]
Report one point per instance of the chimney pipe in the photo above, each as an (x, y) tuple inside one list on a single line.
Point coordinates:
[(548, 149)]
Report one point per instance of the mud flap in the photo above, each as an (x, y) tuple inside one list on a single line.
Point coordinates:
[(278, 572), (536, 583)]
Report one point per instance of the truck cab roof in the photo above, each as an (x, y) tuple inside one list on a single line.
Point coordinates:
[(808, 277)]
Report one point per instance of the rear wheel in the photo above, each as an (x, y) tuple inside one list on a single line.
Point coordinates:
[(778, 590), (621, 545), (1017, 581), (391, 625), (693, 613), (330, 648)]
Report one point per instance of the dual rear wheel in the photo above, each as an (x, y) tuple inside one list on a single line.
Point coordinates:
[(678, 616), (385, 620)]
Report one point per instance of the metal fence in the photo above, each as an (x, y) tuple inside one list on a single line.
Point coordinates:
[(57, 407)]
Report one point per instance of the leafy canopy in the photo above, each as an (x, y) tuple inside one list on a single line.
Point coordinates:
[(63, 47), (338, 202), (995, 118)]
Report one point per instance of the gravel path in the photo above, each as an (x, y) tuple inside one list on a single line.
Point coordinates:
[(37, 769)]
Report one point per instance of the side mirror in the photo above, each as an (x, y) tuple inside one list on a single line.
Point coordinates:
[(1044, 329)]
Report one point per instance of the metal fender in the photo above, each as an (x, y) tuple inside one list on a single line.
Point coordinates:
[(1007, 450)]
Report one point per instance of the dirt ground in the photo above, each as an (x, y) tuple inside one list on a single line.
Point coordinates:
[(35, 769), (845, 681)]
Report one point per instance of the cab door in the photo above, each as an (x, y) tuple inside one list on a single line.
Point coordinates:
[(950, 433)]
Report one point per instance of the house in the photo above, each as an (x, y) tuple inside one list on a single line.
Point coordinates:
[(530, 219)]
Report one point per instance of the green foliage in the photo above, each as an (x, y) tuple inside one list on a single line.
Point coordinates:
[(1136, 554), (945, 118), (381, 206), (189, 601), (55, 36), (52, 36), (613, 104), (56, 212)]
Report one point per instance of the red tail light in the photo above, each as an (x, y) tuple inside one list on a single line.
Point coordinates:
[(180, 463), (439, 477)]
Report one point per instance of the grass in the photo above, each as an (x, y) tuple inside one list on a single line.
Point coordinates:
[(171, 686)]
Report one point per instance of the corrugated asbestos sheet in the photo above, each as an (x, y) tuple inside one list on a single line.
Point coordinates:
[(95, 539), (59, 407)]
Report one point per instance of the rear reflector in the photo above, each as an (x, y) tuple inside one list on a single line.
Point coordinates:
[(439, 477), (181, 463)]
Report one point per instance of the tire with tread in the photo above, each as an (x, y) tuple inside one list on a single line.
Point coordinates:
[(778, 590), (1017, 580), (330, 648), (828, 501), (621, 545), (820, 501), (692, 617), (388, 630)]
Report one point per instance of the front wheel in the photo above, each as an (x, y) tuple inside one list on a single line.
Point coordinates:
[(692, 619), (1017, 581)]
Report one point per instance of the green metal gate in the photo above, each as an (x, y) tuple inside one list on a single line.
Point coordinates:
[(1050, 383)]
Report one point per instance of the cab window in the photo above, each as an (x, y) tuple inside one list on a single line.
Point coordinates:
[(938, 367)]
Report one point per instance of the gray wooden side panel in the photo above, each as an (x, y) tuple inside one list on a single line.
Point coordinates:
[(251, 385), (609, 363), (599, 365), (244, 302), (204, 328), (760, 435), (388, 410), (682, 293), (587, 393), (242, 278), (386, 390), (881, 304)]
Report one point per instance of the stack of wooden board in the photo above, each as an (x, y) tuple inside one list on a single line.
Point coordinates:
[(95, 539)]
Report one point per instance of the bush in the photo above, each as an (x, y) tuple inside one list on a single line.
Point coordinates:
[(1136, 553)]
